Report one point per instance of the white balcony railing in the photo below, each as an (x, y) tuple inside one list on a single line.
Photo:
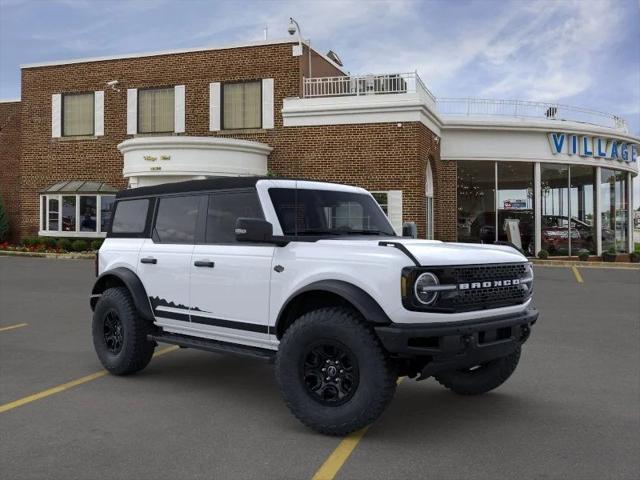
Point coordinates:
[(355, 85), (520, 108), (399, 83)]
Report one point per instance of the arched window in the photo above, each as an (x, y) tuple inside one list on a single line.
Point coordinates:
[(429, 199)]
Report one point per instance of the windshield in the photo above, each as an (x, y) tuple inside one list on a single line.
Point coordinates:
[(328, 212)]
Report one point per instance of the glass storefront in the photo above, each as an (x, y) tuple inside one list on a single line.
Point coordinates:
[(476, 201), (614, 210), (583, 208), (554, 190), (516, 203), (568, 205)]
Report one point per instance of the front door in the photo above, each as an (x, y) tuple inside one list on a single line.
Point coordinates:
[(230, 281), (165, 261)]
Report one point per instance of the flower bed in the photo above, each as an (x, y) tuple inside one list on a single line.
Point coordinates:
[(52, 245)]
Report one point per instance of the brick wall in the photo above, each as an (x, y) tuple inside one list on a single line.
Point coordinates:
[(373, 156), (444, 188), (47, 160), (10, 162)]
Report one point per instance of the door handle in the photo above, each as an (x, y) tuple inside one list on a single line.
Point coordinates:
[(149, 260), (204, 263)]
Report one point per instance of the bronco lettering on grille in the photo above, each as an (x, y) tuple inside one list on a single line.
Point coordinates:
[(488, 284)]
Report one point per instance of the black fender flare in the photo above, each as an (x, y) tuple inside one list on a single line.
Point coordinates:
[(368, 307), (131, 281)]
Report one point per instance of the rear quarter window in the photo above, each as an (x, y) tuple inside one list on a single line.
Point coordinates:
[(130, 216)]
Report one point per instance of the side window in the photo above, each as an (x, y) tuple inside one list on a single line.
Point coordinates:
[(130, 216), (176, 219), (224, 209)]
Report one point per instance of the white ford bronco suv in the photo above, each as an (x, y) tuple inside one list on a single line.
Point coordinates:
[(313, 277)]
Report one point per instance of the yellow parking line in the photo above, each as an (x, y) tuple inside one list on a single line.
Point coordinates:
[(333, 464), (576, 273), (66, 386), (11, 327)]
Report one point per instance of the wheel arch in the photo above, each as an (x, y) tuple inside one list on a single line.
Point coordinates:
[(326, 293), (123, 277)]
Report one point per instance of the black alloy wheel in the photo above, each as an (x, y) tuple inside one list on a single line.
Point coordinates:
[(330, 372), (113, 332)]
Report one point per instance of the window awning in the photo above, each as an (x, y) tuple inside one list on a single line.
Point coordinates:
[(79, 187)]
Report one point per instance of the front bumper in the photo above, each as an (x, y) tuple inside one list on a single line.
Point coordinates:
[(450, 346)]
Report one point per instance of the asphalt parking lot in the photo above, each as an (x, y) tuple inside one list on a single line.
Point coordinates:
[(571, 410)]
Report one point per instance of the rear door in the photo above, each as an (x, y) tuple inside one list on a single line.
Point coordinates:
[(165, 259), (230, 281)]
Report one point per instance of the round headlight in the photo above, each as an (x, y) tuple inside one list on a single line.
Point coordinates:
[(424, 294)]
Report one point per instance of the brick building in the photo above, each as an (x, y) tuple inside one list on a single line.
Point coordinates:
[(86, 128)]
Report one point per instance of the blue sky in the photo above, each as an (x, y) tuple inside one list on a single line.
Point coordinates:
[(579, 52)]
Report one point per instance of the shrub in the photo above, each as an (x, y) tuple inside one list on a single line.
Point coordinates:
[(583, 255), (79, 245), (96, 244), (635, 257), (64, 244), (610, 255), (30, 241), (48, 242), (4, 223), (543, 254)]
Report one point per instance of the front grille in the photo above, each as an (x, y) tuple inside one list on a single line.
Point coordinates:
[(472, 297), (479, 273)]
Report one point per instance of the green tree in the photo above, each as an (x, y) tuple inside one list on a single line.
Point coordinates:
[(4, 222)]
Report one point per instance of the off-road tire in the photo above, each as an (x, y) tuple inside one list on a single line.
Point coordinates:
[(136, 351), (482, 379), (376, 374)]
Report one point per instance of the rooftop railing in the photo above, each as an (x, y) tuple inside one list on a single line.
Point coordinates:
[(477, 107), (356, 85), (399, 83)]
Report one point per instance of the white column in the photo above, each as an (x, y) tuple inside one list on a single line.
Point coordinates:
[(98, 212), (598, 213), (394, 209), (537, 207), (77, 213), (630, 213), (59, 213), (46, 213)]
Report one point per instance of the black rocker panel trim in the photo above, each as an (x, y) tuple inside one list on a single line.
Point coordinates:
[(133, 284), (183, 317), (218, 322)]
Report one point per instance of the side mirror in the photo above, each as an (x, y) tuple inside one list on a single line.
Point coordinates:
[(410, 229), (254, 230)]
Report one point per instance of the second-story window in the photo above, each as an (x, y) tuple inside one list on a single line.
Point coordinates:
[(242, 105), (78, 114), (156, 110)]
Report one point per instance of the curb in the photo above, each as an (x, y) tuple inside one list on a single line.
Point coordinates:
[(572, 263), (61, 256)]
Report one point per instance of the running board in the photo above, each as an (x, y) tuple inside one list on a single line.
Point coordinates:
[(214, 346)]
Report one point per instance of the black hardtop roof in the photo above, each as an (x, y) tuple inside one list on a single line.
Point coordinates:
[(194, 186)]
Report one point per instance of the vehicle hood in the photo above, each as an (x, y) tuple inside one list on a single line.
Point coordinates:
[(436, 253)]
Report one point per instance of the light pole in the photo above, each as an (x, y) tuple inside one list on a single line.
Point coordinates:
[(293, 28)]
